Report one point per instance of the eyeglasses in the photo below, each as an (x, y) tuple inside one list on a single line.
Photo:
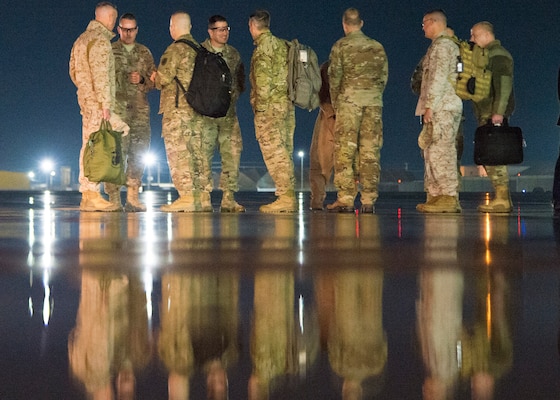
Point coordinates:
[(427, 20), (128, 30), (221, 29)]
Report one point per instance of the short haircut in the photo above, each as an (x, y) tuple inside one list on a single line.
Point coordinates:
[(485, 25), (215, 18), (438, 14), (128, 16), (261, 19), (103, 4), (351, 17)]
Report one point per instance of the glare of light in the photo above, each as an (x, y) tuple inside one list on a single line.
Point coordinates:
[(149, 159), (31, 175), (47, 165), (301, 154)]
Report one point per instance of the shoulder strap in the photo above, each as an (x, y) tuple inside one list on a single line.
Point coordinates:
[(178, 82)]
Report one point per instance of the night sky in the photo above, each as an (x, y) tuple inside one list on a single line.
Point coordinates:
[(40, 116)]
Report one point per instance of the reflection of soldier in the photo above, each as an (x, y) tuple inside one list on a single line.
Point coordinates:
[(134, 65), (274, 112), (350, 315), (181, 125), (440, 308), (199, 319), (321, 153), (225, 132), (358, 73), (453, 350), (111, 335), (92, 70)]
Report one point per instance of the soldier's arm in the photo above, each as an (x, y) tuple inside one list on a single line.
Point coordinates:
[(335, 74), (99, 55), (167, 69), (438, 75), (263, 81), (148, 66), (502, 81)]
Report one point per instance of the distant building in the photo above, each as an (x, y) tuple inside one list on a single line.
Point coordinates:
[(14, 181)]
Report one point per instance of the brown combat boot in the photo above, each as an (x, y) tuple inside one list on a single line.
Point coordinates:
[(133, 203), (441, 204), (184, 203), (229, 205), (93, 201), (500, 204), (285, 203)]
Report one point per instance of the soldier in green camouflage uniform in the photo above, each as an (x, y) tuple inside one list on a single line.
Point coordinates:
[(274, 112), (496, 108), (134, 65), (225, 132), (92, 70), (441, 110), (358, 73), (182, 126)]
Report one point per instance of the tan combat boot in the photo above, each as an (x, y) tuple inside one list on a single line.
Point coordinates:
[(133, 203), (184, 203), (114, 192), (500, 204), (92, 201), (344, 204), (229, 205), (285, 203), (441, 204), (205, 202)]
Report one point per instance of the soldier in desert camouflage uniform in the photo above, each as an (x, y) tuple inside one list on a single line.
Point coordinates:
[(274, 112), (358, 73), (92, 70), (133, 66), (225, 132), (182, 126), (441, 111)]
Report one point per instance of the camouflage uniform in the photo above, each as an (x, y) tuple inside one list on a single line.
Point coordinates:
[(92, 70), (181, 125), (500, 101), (274, 112), (132, 105), (439, 71), (225, 131), (358, 73)]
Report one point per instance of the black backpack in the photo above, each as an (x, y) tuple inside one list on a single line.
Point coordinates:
[(209, 92)]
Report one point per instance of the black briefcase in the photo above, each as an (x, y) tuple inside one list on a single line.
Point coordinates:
[(498, 145)]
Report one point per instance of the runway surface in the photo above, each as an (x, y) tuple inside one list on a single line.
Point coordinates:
[(298, 306)]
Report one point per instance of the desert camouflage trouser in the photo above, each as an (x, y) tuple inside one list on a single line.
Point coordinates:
[(181, 134), (274, 129), (440, 157), (226, 134), (358, 135)]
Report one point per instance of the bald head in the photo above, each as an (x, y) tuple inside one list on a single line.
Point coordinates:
[(482, 33), (106, 14), (179, 24)]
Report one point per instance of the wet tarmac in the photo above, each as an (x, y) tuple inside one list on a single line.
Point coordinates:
[(311, 305)]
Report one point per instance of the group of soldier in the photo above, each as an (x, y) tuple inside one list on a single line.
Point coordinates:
[(113, 80)]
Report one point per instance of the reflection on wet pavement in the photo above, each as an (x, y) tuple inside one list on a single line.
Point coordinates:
[(395, 305)]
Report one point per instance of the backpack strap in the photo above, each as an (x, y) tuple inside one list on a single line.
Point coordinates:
[(178, 84)]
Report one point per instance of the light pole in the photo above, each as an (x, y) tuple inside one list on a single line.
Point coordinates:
[(149, 160), (47, 166), (301, 154)]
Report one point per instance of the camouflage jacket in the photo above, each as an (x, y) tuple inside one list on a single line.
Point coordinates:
[(176, 61), (92, 67), (130, 98), (439, 74), (358, 70), (233, 60), (501, 100), (269, 72)]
